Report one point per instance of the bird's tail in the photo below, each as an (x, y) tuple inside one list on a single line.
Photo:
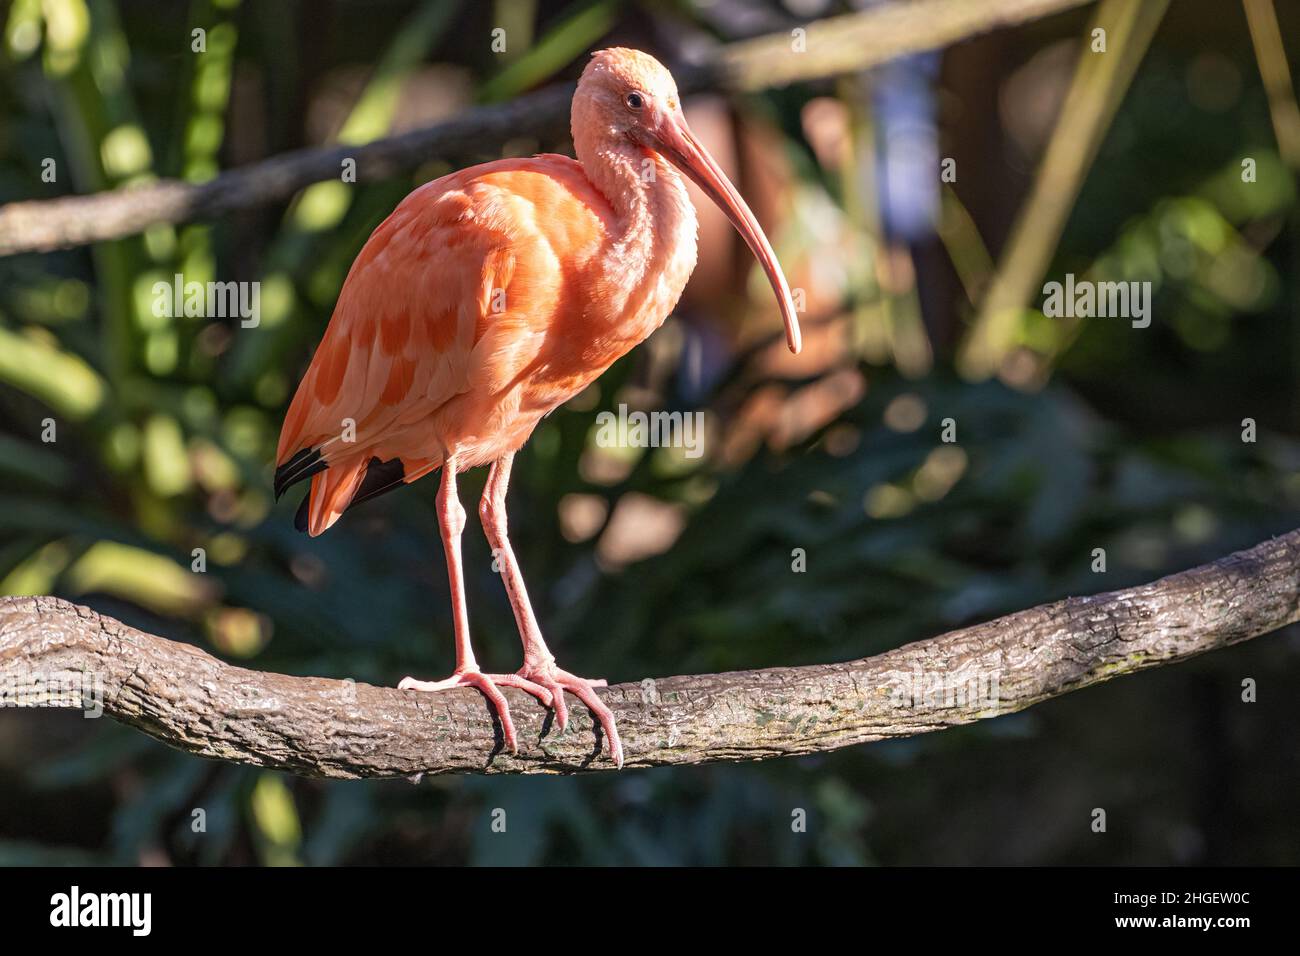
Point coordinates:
[(339, 485), (331, 493)]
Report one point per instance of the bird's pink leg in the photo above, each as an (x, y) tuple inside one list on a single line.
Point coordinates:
[(451, 522), (539, 663)]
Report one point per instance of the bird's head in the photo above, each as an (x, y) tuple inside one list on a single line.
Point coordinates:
[(631, 96)]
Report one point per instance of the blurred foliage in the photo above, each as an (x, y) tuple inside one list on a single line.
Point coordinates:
[(129, 440)]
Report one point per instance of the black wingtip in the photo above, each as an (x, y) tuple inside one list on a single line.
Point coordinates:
[(381, 476), (303, 465)]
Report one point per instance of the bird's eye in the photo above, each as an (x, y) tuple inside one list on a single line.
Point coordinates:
[(635, 101)]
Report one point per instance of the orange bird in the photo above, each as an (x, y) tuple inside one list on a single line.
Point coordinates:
[(487, 299)]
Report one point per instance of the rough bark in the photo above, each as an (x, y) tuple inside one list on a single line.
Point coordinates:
[(833, 46), (330, 728)]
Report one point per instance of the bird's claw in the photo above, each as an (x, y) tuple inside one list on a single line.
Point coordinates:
[(547, 683), (557, 682), (490, 685)]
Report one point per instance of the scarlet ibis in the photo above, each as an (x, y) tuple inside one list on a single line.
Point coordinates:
[(488, 298)]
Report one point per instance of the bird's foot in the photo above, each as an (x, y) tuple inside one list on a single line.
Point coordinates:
[(490, 685), (557, 682)]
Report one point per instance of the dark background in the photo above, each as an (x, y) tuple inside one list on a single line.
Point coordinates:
[(646, 563)]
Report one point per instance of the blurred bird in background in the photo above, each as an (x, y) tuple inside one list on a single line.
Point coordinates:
[(487, 299)]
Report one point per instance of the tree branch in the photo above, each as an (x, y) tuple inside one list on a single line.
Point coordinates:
[(330, 728), (833, 46)]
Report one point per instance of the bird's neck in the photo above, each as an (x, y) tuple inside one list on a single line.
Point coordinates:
[(653, 234), (641, 188)]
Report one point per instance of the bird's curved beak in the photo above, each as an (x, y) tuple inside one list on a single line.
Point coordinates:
[(673, 140)]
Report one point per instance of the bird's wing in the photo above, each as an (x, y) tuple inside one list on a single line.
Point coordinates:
[(454, 291)]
